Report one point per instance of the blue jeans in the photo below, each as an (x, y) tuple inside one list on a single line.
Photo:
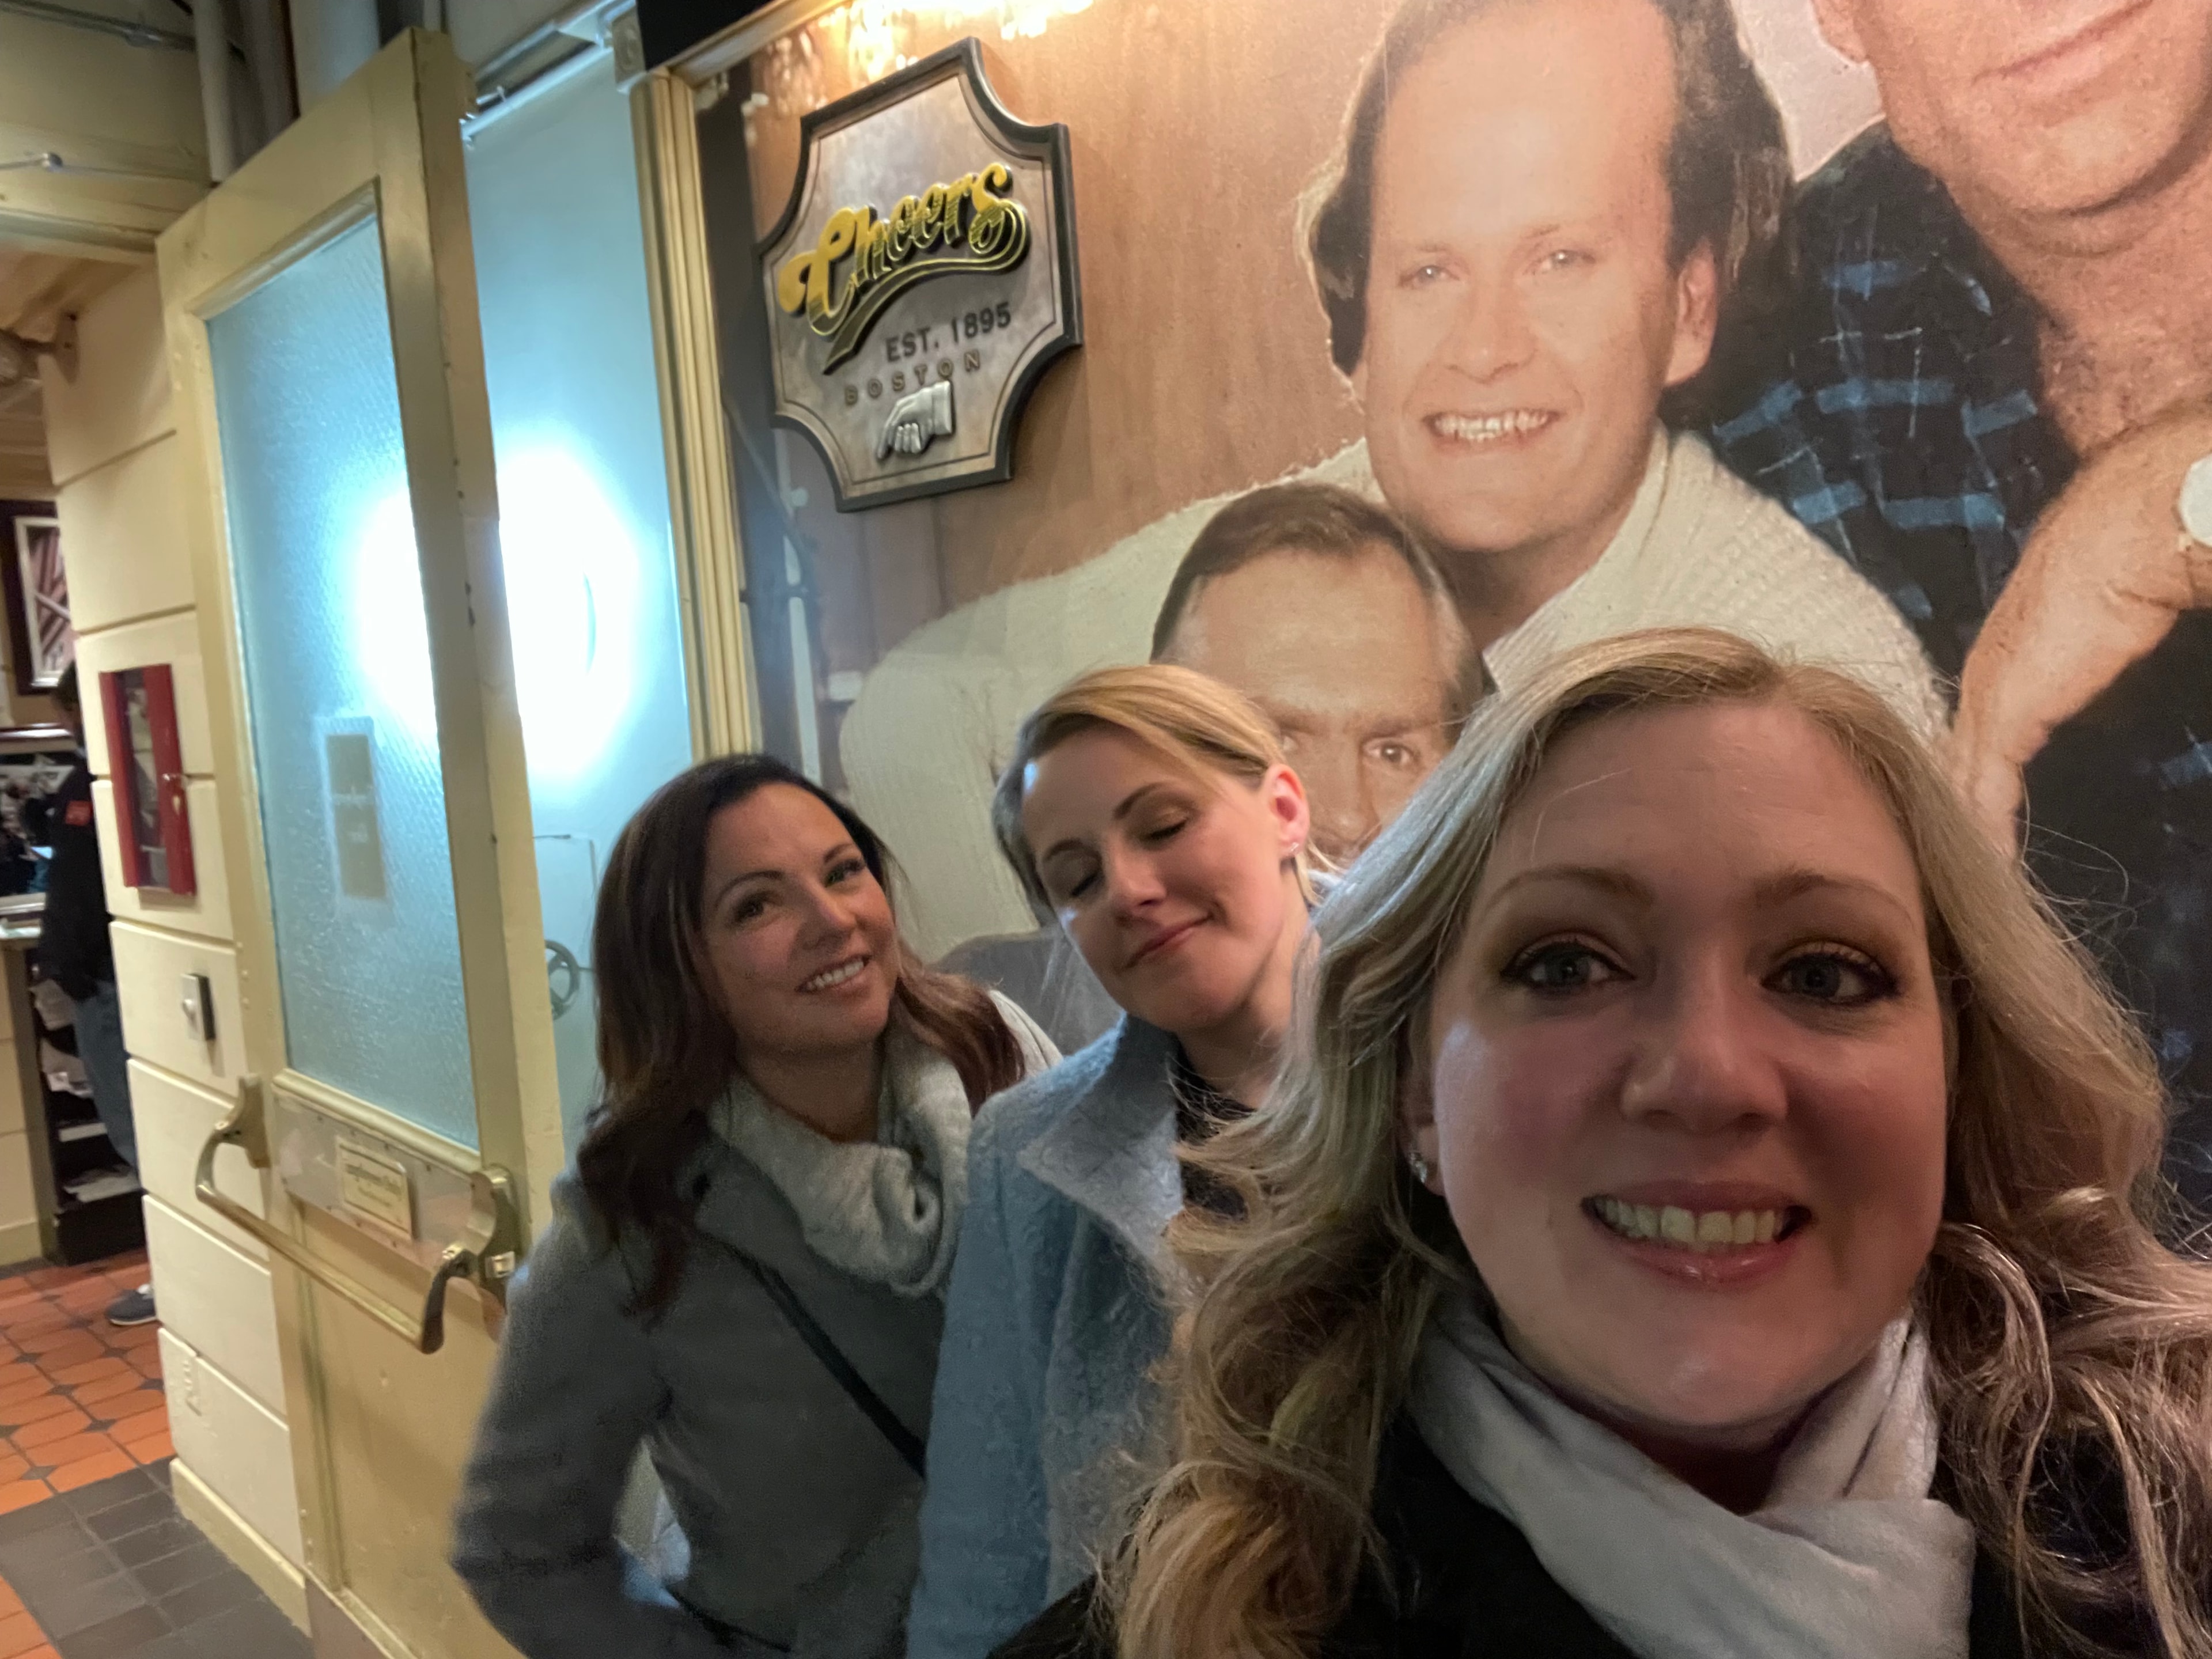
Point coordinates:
[(107, 1067)]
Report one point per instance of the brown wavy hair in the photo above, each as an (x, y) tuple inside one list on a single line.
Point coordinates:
[(666, 1053), (2071, 1351), (1729, 178)]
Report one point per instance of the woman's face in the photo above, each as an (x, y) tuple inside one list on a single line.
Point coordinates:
[(1688, 1074), (799, 939), (1174, 885)]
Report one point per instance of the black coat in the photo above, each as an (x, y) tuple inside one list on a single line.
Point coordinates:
[(73, 932), (1470, 1587)]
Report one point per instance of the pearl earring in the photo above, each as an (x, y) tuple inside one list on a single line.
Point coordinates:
[(1419, 1164)]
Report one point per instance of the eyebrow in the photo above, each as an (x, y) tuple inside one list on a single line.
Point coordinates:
[(1074, 843), (1618, 882), (1785, 885), (1770, 892), (744, 876)]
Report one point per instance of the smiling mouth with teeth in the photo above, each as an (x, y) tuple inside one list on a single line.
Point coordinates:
[(1701, 1231), (1491, 429), (830, 978)]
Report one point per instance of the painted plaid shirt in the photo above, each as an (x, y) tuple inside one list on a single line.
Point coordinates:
[(1897, 414)]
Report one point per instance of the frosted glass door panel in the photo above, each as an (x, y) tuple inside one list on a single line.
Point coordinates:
[(338, 690), (583, 500)]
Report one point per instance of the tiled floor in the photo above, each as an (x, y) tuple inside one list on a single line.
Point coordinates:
[(111, 1571), (80, 1401), (95, 1563)]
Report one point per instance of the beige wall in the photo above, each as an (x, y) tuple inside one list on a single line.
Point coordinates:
[(114, 453)]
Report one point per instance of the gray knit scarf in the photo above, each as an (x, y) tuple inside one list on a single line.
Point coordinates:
[(887, 1210)]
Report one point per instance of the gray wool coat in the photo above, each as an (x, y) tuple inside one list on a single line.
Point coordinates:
[(1045, 1424), (798, 1514)]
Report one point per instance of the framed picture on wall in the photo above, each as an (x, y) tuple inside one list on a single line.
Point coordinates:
[(152, 819), (40, 641)]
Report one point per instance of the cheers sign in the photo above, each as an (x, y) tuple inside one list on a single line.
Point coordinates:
[(934, 402), (966, 226)]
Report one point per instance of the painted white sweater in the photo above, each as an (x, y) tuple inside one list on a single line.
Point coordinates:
[(1700, 546)]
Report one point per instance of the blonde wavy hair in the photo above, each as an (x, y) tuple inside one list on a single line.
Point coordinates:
[(2064, 1334), (1196, 724)]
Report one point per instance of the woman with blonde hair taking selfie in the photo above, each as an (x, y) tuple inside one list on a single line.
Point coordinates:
[(1710, 1209), (1150, 809)]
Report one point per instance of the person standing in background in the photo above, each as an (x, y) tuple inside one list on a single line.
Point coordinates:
[(74, 949), (1990, 388)]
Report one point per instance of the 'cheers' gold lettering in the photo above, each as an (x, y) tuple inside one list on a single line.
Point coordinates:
[(969, 225)]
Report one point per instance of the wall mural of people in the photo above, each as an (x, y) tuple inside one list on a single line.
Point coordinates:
[(1864, 328)]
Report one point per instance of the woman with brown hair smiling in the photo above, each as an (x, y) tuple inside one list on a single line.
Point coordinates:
[(1709, 1210), (746, 1272)]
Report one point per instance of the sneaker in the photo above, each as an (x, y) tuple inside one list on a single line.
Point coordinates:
[(133, 1308)]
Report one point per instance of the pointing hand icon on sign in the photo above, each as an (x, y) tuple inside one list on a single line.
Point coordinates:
[(917, 421)]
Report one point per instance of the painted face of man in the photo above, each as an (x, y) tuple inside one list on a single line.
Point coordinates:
[(1523, 316), (1353, 663), (2032, 108)]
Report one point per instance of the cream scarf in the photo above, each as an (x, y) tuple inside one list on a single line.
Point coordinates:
[(887, 1210), (1849, 1559)]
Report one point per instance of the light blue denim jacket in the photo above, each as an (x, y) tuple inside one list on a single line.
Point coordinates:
[(1043, 1429)]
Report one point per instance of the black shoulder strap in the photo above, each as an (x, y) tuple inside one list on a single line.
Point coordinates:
[(904, 1441)]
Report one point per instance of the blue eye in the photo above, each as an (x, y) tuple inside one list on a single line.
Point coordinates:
[(1562, 967), (1839, 978)]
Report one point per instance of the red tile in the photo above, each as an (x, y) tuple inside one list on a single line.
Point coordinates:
[(68, 1448), (66, 1336), (24, 1414), (21, 1494), (123, 1380), (142, 1420), (136, 1408), (9, 1601), (153, 1449), (99, 1467), (12, 1467), (19, 1635), (148, 1364), (17, 1371), (92, 1370), (43, 1433)]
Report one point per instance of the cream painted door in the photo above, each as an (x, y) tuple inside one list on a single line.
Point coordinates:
[(321, 310)]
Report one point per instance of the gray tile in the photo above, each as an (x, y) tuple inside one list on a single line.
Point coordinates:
[(37, 1517), (123, 1637), (36, 1552), (206, 1598), (133, 1514), (158, 1472), (170, 1573), (64, 1606), (254, 1630), (102, 1495), (152, 1543)]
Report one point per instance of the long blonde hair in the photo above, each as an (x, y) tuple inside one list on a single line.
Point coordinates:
[(1190, 721), (2062, 1333)]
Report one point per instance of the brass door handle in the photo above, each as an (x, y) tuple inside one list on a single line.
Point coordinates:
[(485, 1255)]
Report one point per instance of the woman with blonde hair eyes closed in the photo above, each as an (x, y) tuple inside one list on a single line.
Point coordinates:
[(1709, 1208), (1150, 809)]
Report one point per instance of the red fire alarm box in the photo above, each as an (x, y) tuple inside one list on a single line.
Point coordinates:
[(146, 768)]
